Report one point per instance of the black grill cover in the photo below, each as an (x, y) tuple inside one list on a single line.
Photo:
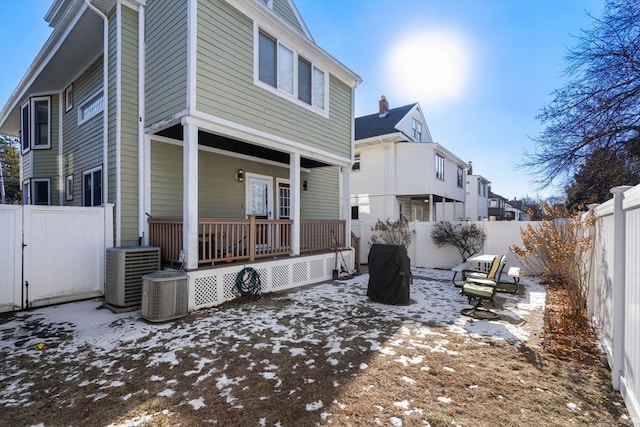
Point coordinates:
[(389, 274)]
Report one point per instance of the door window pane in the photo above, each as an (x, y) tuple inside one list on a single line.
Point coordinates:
[(258, 198), (284, 194)]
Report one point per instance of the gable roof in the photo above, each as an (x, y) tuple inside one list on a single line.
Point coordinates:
[(374, 125)]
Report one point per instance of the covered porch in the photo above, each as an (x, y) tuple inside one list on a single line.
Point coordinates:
[(430, 207), (219, 195)]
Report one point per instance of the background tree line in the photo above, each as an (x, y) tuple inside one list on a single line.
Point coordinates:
[(591, 139), (10, 188)]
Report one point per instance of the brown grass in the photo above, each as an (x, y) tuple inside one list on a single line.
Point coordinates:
[(425, 376)]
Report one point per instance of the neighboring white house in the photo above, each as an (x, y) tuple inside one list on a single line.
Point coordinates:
[(398, 170), (476, 204)]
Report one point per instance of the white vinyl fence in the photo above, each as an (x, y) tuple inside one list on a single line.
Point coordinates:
[(51, 254), (614, 290), (424, 253)]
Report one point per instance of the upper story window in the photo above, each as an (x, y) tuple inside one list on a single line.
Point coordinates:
[(460, 177), (91, 107), (482, 189), (290, 74), (68, 98), (439, 167), (35, 123), (267, 3), (416, 128)]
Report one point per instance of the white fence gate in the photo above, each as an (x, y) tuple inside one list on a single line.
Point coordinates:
[(62, 258), (614, 290)]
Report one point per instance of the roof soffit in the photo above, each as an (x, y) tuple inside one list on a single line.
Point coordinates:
[(73, 45)]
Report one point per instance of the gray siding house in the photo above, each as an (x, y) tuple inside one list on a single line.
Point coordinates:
[(219, 130)]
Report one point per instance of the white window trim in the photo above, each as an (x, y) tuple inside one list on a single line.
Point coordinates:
[(91, 98), (26, 192), (34, 181), (68, 98), (416, 129), (278, 182), (32, 123), (247, 191), (22, 126), (280, 92), (438, 157), (68, 187), (460, 177), (84, 174)]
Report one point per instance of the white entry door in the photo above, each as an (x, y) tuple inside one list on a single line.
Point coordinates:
[(260, 196)]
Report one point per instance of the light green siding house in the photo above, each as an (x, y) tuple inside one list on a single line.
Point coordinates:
[(218, 129)]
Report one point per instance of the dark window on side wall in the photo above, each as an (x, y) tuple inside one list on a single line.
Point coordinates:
[(92, 188), (355, 212)]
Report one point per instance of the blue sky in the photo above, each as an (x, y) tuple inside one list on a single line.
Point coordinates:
[(480, 69), (512, 56)]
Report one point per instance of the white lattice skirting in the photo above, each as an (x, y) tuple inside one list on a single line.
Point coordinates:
[(215, 286)]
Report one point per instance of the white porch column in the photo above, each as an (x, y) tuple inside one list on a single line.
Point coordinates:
[(432, 209), (617, 368), (190, 194), (294, 200), (146, 189)]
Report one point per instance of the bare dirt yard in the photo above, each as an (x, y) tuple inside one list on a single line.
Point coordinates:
[(315, 356)]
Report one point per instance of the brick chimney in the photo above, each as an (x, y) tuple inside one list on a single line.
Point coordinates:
[(383, 107)]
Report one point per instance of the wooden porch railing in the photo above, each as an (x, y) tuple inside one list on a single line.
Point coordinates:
[(321, 235), (231, 239)]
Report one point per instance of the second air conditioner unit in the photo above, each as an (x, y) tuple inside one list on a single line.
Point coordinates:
[(165, 295)]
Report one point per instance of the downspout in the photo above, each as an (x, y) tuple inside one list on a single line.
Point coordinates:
[(61, 180), (105, 94), (118, 132), (141, 138)]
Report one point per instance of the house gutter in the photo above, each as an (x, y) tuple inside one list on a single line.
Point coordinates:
[(105, 94)]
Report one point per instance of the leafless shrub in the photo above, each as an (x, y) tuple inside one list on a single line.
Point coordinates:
[(467, 238), (392, 233), (558, 248)]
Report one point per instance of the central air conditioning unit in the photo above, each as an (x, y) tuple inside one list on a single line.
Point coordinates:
[(125, 267), (165, 295)]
